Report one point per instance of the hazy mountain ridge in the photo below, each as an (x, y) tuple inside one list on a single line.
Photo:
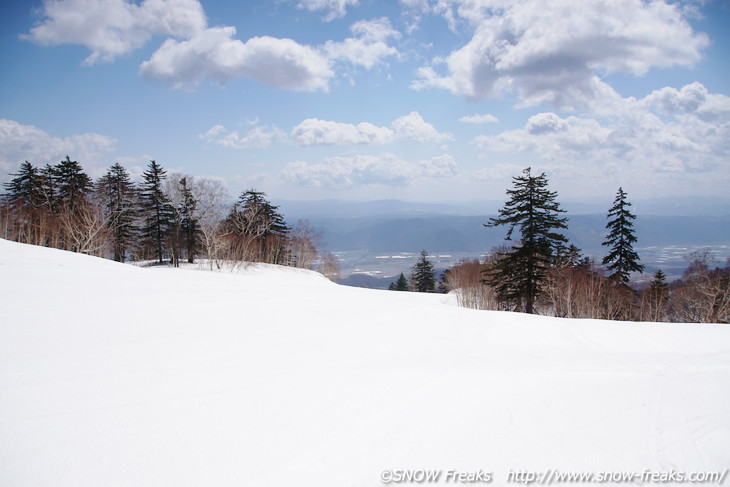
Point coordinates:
[(361, 242), (683, 206), (468, 234)]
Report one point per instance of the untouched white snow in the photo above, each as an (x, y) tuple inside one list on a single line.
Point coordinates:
[(112, 375)]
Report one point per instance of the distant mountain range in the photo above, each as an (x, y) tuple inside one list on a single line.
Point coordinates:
[(704, 206), (363, 233), (468, 234)]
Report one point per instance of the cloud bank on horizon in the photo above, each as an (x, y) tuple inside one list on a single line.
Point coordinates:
[(420, 99)]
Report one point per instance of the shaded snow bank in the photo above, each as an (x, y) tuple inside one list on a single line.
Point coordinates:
[(117, 375)]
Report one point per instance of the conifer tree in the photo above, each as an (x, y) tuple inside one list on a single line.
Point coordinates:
[(424, 277), (157, 211), (24, 191), (621, 259), (657, 297), (570, 256), (256, 219), (73, 185), (49, 189), (70, 190), (22, 204), (401, 284), (119, 196), (518, 275), (189, 225)]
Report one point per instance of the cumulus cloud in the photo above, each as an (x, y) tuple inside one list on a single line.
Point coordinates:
[(552, 52), (111, 28), (692, 99), (215, 55), (257, 137), (413, 127), (476, 118), (351, 171), (313, 131), (193, 52), (551, 136), (368, 46), (19, 142), (335, 8), (670, 130)]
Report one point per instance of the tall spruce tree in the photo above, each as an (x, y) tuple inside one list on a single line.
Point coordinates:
[(49, 189), (73, 185), (189, 225), (424, 276), (518, 275), (24, 191), (119, 196), (22, 203), (158, 213), (621, 259)]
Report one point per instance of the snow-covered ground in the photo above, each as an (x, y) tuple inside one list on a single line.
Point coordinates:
[(114, 375)]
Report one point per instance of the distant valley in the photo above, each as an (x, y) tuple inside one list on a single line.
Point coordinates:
[(374, 246)]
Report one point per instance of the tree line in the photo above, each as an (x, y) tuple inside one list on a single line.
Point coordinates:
[(182, 218), (541, 272), (163, 218)]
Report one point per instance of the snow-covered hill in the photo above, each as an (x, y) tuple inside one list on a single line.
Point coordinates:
[(113, 375)]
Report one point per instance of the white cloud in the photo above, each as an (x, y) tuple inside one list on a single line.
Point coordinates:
[(335, 8), (543, 123), (257, 137), (476, 118), (443, 166), (215, 55), (551, 52), (552, 137), (19, 142), (691, 99), (669, 131), (111, 28), (348, 172), (324, 132), (368, 46), (413, 127)]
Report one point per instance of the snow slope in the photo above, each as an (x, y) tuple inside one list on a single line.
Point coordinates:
[(112, 375)]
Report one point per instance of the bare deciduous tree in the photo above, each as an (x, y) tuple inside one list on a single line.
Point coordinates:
[(655, 299), (465, 280), (702, 295), (86, 229), (212, 197), (330, 267), (304, 241)]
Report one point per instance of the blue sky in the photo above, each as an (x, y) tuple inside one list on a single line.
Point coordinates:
[(427, 100)]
